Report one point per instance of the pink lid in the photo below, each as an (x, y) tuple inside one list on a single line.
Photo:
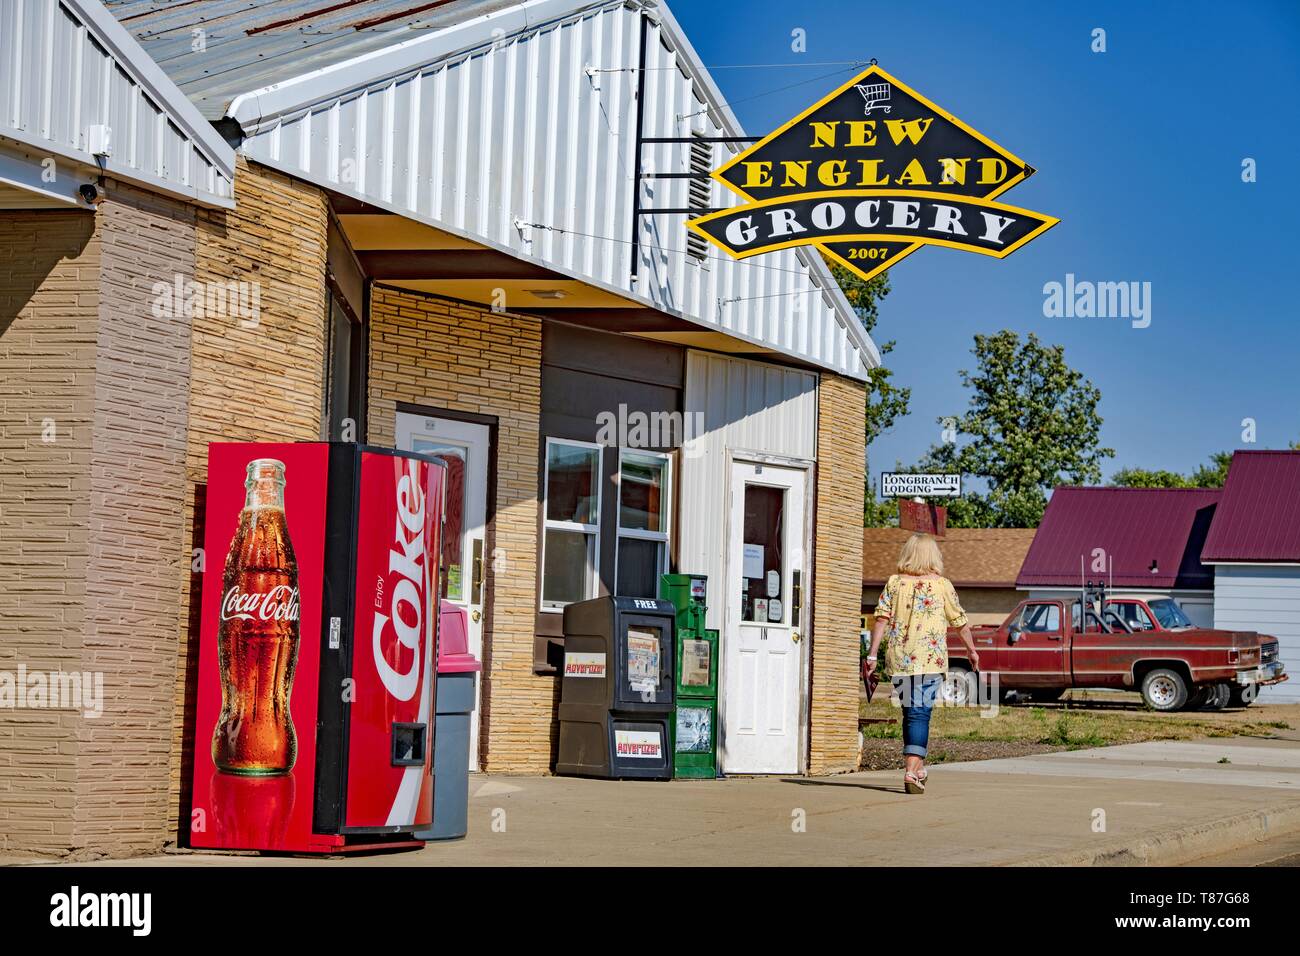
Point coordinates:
[(453, 640)]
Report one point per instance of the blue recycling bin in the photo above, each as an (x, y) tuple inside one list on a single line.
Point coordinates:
[(458, 672)]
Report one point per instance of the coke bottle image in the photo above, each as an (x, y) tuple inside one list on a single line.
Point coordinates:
[(257, 643)]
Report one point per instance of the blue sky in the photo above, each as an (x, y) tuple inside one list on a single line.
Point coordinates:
[(1139, 152)]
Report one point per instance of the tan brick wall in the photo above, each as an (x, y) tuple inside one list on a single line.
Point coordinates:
[(250, 381), (441, 354), (837, 557), (49, 274), (137, 529)]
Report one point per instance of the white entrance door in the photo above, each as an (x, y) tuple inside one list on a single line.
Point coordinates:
[(761, 644), (464, 446)]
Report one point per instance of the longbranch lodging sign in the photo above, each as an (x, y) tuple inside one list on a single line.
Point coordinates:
[(898, 485), (869, 174)]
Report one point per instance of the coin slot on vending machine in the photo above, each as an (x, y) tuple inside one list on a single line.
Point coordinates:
[(409, 744)]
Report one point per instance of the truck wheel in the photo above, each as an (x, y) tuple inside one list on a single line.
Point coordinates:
[(1048, 695), (958, 687), (1197, 698), (1219, 696), (1164, 690), (1243, 695)]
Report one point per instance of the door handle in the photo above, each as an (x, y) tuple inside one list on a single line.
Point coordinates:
[(794, 636), (476, 615), (476, 580), (1053, 637)]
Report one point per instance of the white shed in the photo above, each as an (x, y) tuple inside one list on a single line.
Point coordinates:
[(1254, 545)]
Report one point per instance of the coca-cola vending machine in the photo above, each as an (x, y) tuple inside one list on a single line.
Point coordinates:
[(314, 721)]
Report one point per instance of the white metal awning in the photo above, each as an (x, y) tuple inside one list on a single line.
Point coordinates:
[(512, 126), (80, 98)]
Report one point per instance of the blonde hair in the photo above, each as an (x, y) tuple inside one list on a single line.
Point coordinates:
[(920, 555)]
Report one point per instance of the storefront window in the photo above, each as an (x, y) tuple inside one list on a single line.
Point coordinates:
[(453, 522), (763, 574), (643, 498), (344, 371), (572, 510)]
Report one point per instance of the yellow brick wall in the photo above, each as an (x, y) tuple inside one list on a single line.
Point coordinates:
[(445, 355), (91, 520), (49, 273), (837, 558), (136, 522), (249, 382)]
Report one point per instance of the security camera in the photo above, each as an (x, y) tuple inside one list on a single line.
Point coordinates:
[(91, 194)]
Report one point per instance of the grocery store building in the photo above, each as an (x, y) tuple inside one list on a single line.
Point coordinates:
[(451, 227)]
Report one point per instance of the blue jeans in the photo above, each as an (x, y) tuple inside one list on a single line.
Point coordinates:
[(918, 693)]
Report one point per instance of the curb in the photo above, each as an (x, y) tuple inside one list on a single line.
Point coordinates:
[(1179, 846)]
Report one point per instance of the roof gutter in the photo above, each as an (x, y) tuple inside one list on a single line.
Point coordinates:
[(279, 100)]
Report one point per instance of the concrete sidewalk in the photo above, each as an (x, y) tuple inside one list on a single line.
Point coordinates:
[(1164, 802)]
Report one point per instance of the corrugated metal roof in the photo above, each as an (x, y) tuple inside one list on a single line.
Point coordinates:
[(509, 124), (1133, 527), (972, 557), (216, 49), (67, 66), (1258, 519)]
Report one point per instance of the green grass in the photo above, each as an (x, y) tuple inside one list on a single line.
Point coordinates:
[(1070, 730), (1076, 726)]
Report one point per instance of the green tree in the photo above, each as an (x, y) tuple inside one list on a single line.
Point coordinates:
[(1215, 473), (1143, 478), (878, 512), (1032, 424), (1211, 475), (886, 401)]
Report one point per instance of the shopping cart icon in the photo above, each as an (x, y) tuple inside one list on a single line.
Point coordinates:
[(876, 96)]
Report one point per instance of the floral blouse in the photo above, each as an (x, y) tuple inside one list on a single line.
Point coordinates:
[(918, 613)]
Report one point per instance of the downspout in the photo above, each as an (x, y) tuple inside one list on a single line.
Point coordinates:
[(636, 157)]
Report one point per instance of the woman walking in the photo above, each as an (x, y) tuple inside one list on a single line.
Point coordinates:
[(917, 606)]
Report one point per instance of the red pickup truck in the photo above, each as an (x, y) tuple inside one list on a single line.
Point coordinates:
[(1136, 643)]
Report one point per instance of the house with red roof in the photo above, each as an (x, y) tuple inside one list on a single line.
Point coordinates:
[(1254, 548), (1136, 540)]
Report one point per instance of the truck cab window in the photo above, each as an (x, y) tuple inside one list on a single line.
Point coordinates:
[(1133, 614), (1041, 618), (1115, 623), (1093, 624), (1169, 614)]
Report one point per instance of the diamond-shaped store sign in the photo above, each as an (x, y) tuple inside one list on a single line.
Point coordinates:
[(869, 174)]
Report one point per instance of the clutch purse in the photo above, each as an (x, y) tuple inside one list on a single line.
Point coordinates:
[(870, 679)]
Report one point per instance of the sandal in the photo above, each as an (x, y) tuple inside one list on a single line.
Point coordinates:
[(914, 783)]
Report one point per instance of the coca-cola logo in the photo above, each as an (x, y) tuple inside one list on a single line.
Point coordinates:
[(407, 604), (278, 604)]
